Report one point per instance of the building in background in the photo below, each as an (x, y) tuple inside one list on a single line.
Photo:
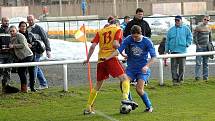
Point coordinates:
[(123, 7)]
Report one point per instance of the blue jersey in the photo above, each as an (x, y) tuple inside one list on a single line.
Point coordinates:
[(137, 52)]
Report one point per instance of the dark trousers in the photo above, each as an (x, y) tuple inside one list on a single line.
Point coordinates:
[(5, 72), (177, 68), (22, 72)]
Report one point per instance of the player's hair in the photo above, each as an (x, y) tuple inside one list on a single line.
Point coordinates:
[(110, 19), (139, 10), (135, 29)]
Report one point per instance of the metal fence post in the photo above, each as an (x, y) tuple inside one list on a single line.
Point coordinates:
[(65, 77), (161, 71), (64, 31)]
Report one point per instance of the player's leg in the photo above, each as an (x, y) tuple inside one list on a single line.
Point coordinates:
[(129, 100), (126, 92), (143, 94), (125, 86), (129, 94), (101, 76), (92, 97), (115, 69)]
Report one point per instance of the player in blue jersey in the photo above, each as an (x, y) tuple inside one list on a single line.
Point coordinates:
[(138, 48)]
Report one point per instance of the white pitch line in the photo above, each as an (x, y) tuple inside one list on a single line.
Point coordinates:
[(105, 116)]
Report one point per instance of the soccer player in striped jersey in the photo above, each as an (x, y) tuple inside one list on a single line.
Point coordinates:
[(109, 39)]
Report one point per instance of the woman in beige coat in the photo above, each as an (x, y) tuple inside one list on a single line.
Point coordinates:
[(24, 54)]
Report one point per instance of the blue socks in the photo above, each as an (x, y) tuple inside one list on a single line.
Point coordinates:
[(146, 100)]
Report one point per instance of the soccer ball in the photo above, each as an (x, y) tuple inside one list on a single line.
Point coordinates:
[(125, 109)]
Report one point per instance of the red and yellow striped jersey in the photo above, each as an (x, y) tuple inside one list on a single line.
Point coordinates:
[(105, 37)]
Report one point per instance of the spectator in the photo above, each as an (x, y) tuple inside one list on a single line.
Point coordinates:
[(138, 20), (179, 38), (30, 38), (125, 22), (108, 39), (161, 50), (23, 53), (202, 37), (6, 56), (117, 22), (28, 35), (138, 65), (83, 7), (39, 34)]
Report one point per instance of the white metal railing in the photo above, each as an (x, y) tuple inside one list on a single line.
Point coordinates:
[(161, 57), (65, 62)]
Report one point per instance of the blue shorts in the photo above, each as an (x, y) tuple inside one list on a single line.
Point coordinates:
[(137, 75)]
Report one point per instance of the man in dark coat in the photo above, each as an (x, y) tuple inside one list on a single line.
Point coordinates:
[(6, 56), (138, 20)]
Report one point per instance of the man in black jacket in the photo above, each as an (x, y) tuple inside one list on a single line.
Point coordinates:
[(138, 20), (6, 56)]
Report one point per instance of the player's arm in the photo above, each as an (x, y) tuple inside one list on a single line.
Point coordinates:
[(116, 44), (151, 61), (119, 50), (124, 55), (117, 39), (115, 53), (146, 67), (152, 53), (92, 48)]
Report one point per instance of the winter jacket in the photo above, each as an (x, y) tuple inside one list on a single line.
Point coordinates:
[(178, 39), (146, 30), (40, 34), (21, 48)]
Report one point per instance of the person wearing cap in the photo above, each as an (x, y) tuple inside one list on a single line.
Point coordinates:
[(202, 37), (138, 20), (125, 22), (178, 39)]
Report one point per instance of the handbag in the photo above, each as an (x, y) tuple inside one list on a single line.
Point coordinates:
[(38, 46), (210, 48)]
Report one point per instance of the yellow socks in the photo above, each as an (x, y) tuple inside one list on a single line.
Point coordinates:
[(91, 98), (125, 92), (125, 89)]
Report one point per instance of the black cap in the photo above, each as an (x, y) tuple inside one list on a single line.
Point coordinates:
[(178, 17)]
